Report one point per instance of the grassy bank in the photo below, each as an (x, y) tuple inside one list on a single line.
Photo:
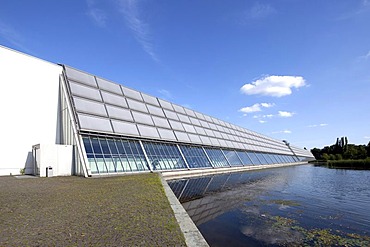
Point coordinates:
[(353, 164), (73, 211)]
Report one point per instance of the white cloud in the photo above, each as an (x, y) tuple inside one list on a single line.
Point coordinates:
[(267, 105), (253, 108), (12, 36), (367, 56), (98, 16), (167, 94), (317, 125), (276, 86), (262, 121), (367, 137), (259, 11), (282, 132), (364, 57), (130, 11), (285, 114), (256, 107)]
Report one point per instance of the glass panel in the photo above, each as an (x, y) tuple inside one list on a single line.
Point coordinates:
[(136, 105), (117, 163), (163, 156), (267, 158), (171, 114), (285, 157), (150, 99), (104, 146), (166, 134), (142, 118), (109, 86), (261, 158), (179, 109), (291, 159), (131, 93), (217, 157), (80, 76), (125, 128), (254, 158), (109, 163), (147, 131), (232, 157), (165, 104), (92, 163), (195, 156), (114, 99), (244, 157), (100, 163), (155, 110), (119, 113), (112, 146), (87, 145), (96, 145), (275, 161), (94, 123), (115, 155), (277, 157), (86, 92)]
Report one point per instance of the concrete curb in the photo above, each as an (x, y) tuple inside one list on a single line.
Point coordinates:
[(193, 237), (170, 175)]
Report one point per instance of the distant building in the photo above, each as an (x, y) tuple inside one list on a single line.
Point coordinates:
[(57, 120)]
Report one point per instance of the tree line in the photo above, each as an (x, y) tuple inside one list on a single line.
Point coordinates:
[(342, 150)]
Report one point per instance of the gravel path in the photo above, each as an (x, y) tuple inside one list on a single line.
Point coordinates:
[(73, 211)]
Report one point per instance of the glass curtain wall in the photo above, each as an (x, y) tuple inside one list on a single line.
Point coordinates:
[(254, 158), (163, 156), (107, 155), (245, 158), (114, 155), (232, 157), (217, 157), (195, 156)]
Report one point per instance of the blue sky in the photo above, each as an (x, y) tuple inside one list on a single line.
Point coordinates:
[(291, 69)]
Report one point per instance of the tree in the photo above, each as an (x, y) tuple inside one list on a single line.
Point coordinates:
[(317, 153), (325, 156), (342, 150)]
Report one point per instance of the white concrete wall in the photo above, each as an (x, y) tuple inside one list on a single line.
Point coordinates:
[(59, 157), (28, 107)]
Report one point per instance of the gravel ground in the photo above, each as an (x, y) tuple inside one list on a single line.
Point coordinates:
[(128, 210)]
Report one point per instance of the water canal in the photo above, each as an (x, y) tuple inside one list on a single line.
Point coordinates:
[(290, 206)]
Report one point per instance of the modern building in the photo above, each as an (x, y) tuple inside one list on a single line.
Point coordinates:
[(58, 120)]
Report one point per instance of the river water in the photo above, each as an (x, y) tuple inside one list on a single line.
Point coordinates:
[(303, 205)]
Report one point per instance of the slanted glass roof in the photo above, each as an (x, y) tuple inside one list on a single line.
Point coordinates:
[(102, 106)]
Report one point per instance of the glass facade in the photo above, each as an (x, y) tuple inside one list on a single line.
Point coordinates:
[(233, 157), (114, 155), (108, 155), (164, 156), (195, 156), (116, 129), (254, 158), (217, 157), (246, 161)]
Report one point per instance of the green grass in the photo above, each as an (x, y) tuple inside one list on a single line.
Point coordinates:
[(72, 211), (355, 164)]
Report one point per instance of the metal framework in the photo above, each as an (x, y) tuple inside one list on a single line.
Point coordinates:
[(116, 129)]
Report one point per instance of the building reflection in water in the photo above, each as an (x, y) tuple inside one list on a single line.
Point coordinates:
[(205, 198)]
